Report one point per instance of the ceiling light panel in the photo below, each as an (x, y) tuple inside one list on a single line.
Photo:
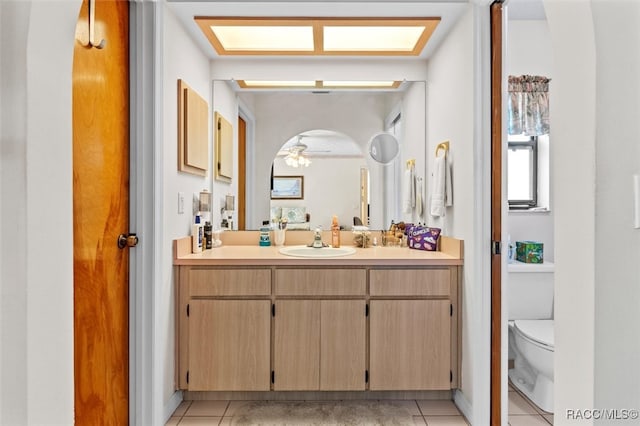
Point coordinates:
[(264, 38), (318, 36), (373, 39), (361, 84), (266, 84)]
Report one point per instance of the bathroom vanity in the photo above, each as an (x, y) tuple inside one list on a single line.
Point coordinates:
[(249, 318)]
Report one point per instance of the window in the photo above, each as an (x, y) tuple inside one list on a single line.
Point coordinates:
[(522, 171)]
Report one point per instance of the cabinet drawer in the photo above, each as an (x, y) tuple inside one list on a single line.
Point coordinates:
[(409, 282), (321, 282), (230, 282)]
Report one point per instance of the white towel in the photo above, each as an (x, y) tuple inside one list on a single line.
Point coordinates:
[(408, 191), (419, 197), (441, 195)]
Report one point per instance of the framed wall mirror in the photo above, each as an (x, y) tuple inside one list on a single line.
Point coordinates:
[(351, 117)]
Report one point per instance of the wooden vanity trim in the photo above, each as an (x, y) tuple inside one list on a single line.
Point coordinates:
[(401, 282), (230, 282), (320, 282)]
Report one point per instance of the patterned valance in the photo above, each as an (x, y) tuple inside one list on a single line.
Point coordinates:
[(528, 105)]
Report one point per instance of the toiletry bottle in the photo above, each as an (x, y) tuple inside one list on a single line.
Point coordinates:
[(335, 232), (265, 238), (196, 235), (208, 235)]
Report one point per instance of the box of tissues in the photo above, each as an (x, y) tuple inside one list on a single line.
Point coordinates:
[(529, 252)]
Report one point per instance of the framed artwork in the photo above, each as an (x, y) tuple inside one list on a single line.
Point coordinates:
[(193, 130), (288, 188), (223, 142)]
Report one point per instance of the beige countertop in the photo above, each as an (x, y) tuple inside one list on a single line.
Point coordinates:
[(255, 255)]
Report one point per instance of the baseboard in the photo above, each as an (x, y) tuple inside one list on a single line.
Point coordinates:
[(171, 405), (463, 404), (315, 396)]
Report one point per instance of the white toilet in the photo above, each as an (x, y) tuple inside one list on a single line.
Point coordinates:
[(531, 343)]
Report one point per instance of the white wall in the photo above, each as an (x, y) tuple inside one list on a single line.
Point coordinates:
[(529, 52), (182, 60), (36, 284), (574, 123), (331, 187), (452, 118), (617, 244)]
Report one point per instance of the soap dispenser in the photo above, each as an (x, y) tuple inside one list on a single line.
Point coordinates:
[(335, 232)]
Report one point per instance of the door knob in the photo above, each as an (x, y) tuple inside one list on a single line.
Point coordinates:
[(130, 240)]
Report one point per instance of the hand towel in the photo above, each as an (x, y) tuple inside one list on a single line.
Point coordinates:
[(419, 197), (413, 188), (407, 190), (441, 193)]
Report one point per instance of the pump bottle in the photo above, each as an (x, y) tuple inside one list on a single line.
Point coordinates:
[(196, 236), (335, 232)]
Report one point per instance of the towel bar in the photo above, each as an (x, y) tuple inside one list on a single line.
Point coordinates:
[(442, 145)]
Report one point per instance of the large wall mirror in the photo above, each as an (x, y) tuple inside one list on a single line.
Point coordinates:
[(334, 129)]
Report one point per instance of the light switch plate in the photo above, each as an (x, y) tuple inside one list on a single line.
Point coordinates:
[(180, 202), (636, 201)]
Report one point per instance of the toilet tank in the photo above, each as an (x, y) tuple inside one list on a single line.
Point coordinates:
[(530, 290)]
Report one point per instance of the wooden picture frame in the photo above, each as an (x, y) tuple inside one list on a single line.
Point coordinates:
[(288, 188), (193, 131), (223, 142)]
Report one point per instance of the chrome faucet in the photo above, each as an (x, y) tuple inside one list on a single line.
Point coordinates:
[(317, 239)]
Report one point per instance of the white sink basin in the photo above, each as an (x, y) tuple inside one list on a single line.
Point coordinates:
[(304, 251)]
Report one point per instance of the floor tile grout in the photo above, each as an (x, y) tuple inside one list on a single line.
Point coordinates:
[(422, 414)]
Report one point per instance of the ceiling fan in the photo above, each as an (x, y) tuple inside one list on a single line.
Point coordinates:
[(295, 157)]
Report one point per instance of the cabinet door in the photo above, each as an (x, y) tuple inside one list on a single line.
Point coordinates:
[(229, 345), (342, 345), (297, 345), (409, 344)]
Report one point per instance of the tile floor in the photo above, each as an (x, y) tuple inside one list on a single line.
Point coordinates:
[(523, 412), (425, 412)]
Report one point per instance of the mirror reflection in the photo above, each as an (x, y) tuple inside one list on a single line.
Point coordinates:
[(331, 164), (325, 137)]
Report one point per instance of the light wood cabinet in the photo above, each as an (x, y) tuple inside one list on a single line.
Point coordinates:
[(410, 344), (229, 344), (317, 328), (319, 345), (297, 345), (342, 344)]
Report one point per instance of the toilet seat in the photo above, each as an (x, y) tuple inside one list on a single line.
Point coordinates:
[(538, 332)]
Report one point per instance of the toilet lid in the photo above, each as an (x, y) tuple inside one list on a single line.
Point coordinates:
[(540, 331)]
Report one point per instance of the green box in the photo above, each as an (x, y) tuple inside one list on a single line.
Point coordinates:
[(529, 252)]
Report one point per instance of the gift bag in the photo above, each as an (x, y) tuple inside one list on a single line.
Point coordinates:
[(423, 237)]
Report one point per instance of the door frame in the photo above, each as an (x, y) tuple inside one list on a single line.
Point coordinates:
[(497, 308), (145, 68)]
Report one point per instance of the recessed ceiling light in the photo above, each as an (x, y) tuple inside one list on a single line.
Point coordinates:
[(318, 36), (373, 39), (361, 84), (264, 38), (318, 84), (266, 84)]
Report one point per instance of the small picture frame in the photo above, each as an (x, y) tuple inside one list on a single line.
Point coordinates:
[(288, 188)]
